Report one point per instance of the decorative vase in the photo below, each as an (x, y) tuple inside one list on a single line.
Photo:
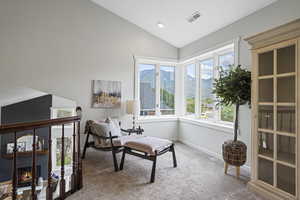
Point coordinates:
[(234, 152)]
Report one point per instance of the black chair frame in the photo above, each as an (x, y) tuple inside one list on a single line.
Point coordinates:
[(117, 149), (112, 148)]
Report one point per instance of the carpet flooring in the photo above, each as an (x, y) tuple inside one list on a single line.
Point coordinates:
[(197, 177)]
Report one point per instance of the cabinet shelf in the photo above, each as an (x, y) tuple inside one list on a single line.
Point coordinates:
[(277, 75), (286, 104), (286, 134), (287, 162), (24, 154), (266, 77), (287, 159), (286, 74), (266, 157), (265, 103), (265, 130), (267, 154)]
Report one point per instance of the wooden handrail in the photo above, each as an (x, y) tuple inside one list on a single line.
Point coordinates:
[(10, 128), (77, 164)]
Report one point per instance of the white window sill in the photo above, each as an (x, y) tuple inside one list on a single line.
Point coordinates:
[(222, 127), (226, 128), (150, 119)]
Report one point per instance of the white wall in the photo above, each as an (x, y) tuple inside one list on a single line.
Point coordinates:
[(274, 15), (59, 46), (203, 138), (162, 128)]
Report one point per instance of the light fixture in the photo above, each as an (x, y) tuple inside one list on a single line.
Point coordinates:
[(132, 108), (196, 15), (160, 25)]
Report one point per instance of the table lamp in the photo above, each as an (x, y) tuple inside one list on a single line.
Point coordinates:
[(132, 108)]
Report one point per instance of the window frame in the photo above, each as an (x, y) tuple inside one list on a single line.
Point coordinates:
[(196, 89), (215, 55), (179, 64), (160, 87), (157, 65)]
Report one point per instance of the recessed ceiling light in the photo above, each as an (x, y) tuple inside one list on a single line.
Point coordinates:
[(160, 25)]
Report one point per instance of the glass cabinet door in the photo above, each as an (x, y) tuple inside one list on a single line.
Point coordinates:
[(276, 115), (265, 170)]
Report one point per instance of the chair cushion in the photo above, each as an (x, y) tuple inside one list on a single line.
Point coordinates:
[(103, 128), (114, 127), (147, 144)]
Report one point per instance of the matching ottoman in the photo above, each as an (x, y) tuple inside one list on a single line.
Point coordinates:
[(148, 148)]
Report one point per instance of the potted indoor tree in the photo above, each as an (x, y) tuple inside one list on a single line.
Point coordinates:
[(233, 87)]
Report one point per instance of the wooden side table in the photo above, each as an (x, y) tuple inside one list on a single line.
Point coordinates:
[(138, 131)]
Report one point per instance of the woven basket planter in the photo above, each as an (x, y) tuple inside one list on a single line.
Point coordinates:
[(234, 153)]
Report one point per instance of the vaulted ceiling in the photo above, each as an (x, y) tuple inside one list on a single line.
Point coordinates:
[(215, 14)]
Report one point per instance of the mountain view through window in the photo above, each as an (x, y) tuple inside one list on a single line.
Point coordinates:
[(190, 88), (148, 89)]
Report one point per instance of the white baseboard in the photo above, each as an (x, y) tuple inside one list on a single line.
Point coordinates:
[(211, 153)]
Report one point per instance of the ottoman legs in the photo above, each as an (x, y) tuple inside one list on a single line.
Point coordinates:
[(174, 156), (152, 158), (122, 160), (115, 159), (153, 169)]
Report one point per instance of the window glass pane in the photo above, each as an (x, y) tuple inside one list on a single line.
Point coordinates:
[(67, 151), (147, 89), (265, 63), (286, 147), (286, 60), (226, 61), (265, 170), (265, 117), (265, 90), (286, 119), (190, 88), (266, 144), (227, 113), (286, 89), (286, 178), (167, 90), (206, 87)]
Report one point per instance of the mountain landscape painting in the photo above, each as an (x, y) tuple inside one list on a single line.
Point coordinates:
[(106, 94)]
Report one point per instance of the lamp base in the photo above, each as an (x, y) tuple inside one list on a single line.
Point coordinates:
[(133, 122)]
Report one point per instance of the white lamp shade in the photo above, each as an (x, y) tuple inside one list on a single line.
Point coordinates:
[(132, 106)]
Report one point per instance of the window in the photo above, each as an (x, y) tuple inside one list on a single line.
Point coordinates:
[(147, 77), (156, 89), (190, 88), (156, 86), (208, 66), (225, 61), (167, 90), (67, 151), (207, 99)]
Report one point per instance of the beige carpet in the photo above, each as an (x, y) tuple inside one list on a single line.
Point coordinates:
[(198, 176)]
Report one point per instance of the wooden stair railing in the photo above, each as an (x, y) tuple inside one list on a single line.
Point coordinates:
[(76, 177)]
